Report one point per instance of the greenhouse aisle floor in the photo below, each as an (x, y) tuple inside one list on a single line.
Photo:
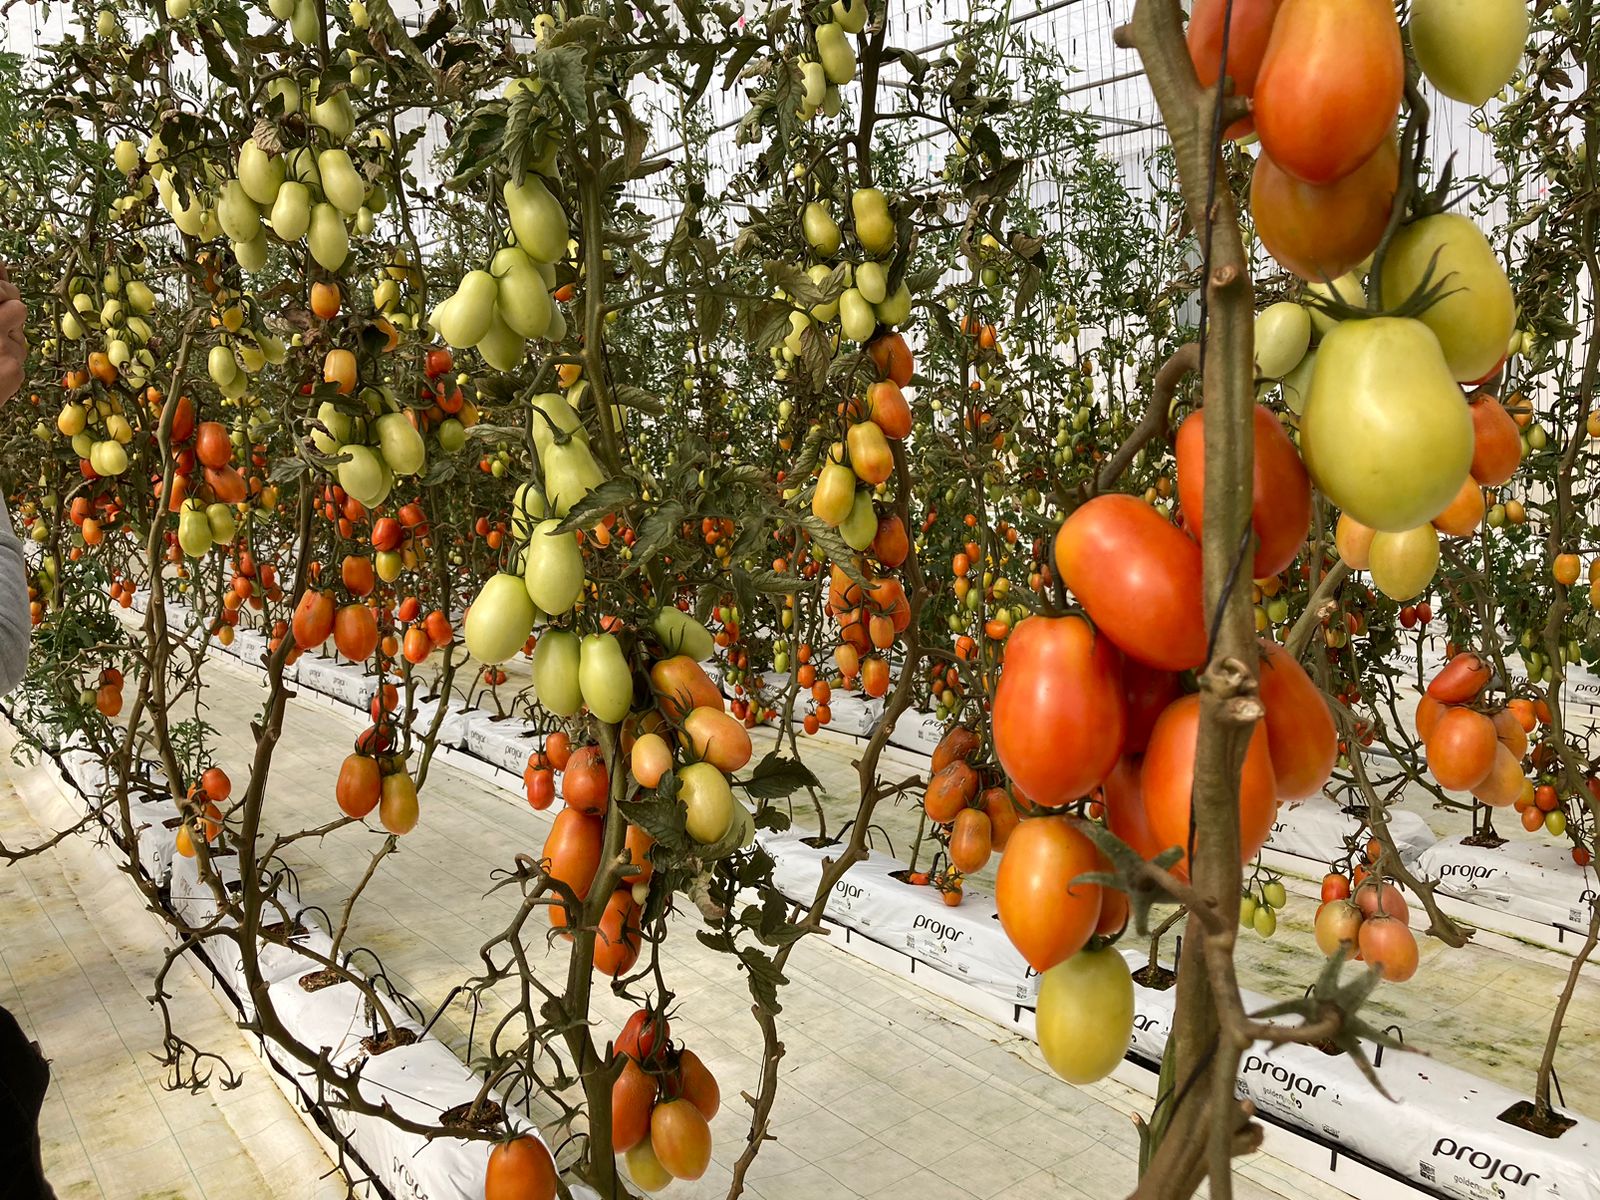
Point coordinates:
[(887, 1091), (78, 956)]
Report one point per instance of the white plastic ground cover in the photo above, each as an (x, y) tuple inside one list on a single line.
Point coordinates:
[(965, 941), (1443, 1129), (452, 728), (87, 770), (504, 742), (419, 1081), (337, 680), (157, 840), (1317, 829), (192, 898), (1536, 880), (917, 731), (248, 646)]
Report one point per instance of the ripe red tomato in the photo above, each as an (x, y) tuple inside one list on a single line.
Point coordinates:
[(1496, 442), (1335, 886), (1390, 946), (539, 783), (1502, 786), (1048, 917), (1058, 714), (1123, 796), (558, 748), (1168, 781), (1370, 896), (1138, 577), (1330, 86), (633, 1094), (616, 944), (1249, 30), (359, 786), (1460, 680), (572, 854), (212, 446), (585, 783), (1147, 691), (1300, 731), (1461, 750), (438, 361), (949, 792), (1429, 711), (313, 619), (698, 1085), (1324, 231), (1280, 511), (355, 632), (642, 1033), (1002, 814), (971, 841)]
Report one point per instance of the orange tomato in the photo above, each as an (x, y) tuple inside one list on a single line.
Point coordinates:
[(1324, 231), (1248, 31), (1046, 915), (1059, 718), (1167, 777), (1280, 511), (1329, 86), (1138, 577)]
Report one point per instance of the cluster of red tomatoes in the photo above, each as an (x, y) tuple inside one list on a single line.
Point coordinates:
[(202, 813), (573, 848), (1325, 84), (975, 815), (1471, 748), (1371, 925), (1095, 704), (662, 1103), (251, 585)]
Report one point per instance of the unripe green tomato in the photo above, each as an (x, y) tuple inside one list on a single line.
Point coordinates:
[(1274, 894), (1247, 911), (1266, 921), (1555, 823)]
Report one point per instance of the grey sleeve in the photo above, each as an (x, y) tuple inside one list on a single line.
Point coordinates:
[(16, 626)]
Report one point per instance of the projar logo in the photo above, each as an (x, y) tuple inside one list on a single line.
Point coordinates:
[(1587, 899), (401, 1171), (1488, 1165), (938, 928), (1299, 1087), (1148, 1023), (1470, 872), (850, 891)]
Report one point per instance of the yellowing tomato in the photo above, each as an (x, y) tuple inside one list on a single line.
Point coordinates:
[(1386, 434), (1469, 49), (1085, 1015), (1475, 317)]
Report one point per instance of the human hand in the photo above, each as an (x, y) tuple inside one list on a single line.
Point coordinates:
[(13, 346)]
